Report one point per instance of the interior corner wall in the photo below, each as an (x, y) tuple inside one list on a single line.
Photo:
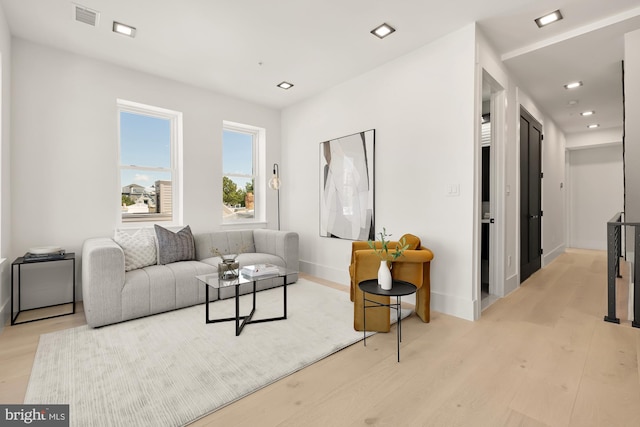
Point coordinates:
[(508, 184), (5, 170), (553, 192), (504, 211), (632, 125), (64, 147), (595, 192), (422, 107), (594, 138), (553, 165)]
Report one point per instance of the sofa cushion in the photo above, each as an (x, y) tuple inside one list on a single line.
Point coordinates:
[(224, 242), (139, 248), (173, 247)]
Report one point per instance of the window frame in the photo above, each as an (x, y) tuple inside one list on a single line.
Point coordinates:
[(175, 120), (258, 149)]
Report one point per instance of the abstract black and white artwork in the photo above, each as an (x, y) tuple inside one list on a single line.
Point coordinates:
[(347, 187)]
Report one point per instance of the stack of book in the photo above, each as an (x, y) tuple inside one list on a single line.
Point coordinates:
[(44, 254), (259, 270)]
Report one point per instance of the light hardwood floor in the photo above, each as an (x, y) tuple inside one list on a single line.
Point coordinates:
[(542, 356)]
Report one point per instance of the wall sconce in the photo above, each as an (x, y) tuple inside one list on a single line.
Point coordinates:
[(274, 184)]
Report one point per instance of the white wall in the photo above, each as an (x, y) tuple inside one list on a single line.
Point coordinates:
[(632, 125), (508, 179), (553, 191), (595, 194), (5, 170), (422, 108), (64, 139), (489, 61), (594, 138)]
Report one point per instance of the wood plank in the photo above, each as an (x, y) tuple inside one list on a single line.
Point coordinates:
[(542, 356)]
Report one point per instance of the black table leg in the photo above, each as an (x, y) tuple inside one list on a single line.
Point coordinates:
[(364, 319), (399, 316)]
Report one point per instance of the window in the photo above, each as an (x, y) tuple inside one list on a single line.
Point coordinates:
[(150, 141), (240, 180)]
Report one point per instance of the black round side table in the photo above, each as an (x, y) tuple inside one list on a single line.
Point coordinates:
[(399, 288)]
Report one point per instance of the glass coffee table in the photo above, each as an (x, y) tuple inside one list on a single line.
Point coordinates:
[(214, 281)]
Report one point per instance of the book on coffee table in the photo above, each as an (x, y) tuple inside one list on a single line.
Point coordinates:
[(259, 270)]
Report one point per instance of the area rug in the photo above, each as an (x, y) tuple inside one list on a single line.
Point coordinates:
[(171, 369)]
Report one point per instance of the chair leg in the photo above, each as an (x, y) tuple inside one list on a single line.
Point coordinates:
[(423, 302)]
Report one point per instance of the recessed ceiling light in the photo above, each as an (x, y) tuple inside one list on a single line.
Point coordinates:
[(285, 85), (382, 31), (593, 126), (587, 113), (548, 18), (572, 85), (123, 29)]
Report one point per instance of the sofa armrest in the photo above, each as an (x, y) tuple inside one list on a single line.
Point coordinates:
[(281, 243), (102, 281)]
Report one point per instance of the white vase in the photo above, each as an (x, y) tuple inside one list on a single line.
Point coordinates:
[(384, 276)]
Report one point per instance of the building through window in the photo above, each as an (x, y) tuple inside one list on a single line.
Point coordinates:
[(241, 194), (150, 153)]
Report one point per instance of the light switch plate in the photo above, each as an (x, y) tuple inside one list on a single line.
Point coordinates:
[(453, 190)]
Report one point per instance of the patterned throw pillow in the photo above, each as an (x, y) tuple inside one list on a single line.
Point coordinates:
[(139, 248), (173, 247)]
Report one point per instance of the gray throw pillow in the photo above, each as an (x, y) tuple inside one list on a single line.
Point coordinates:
[(173, 247)]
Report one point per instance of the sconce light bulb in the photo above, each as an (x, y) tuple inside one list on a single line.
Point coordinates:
[(274, 183)]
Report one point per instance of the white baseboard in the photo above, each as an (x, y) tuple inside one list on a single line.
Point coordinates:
[(555, 253), (5, 316), (446, 304), (328, 273), (511, 284), (453, 306), (631, 316)]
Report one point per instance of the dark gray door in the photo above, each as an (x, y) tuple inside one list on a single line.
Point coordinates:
[(530, 195)]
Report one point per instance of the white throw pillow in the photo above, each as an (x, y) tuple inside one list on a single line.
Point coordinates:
[(139, 248)]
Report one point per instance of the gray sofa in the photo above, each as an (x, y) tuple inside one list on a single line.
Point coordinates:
[(112, 295)]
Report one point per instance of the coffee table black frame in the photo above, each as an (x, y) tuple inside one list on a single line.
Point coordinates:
[(212, 280), (399, 288)]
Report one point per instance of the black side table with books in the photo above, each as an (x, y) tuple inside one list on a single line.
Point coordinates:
[(18, 264)]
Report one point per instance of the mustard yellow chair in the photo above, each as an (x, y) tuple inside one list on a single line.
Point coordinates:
[(413, 267)]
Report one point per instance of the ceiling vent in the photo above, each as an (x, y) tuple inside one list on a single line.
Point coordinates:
[(85, 15)]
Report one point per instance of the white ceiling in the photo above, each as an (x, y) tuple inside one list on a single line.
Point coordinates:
[(587, 45), (245, 47)]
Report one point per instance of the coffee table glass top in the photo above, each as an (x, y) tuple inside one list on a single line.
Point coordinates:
[(214, 280)]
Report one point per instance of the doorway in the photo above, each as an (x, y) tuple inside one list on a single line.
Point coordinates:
[(486, 276), (530, 195), (490, 171)]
